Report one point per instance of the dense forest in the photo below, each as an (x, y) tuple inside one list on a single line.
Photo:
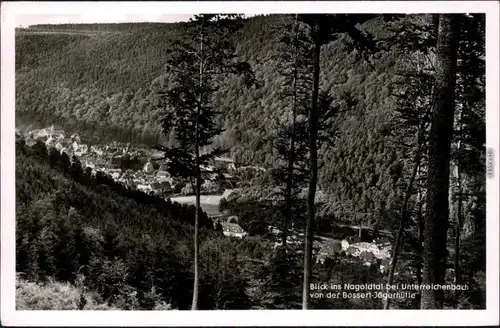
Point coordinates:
[(122, 249), (375, 80), (131, 249), (69, 81)]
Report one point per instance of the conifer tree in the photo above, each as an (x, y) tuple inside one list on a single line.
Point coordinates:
[(324, 28), (64, 249), (412, 113), (189, 114), (293, 55), (440, 137), (469, 131)]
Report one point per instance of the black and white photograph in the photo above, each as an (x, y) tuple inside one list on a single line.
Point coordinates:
[(227, 158)]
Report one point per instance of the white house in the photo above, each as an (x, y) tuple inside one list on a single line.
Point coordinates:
[(83, 149), (345, 245), (49, 141), (355, 248), (145, 188), (59, 135), (231, 228), (64, 150), (163, 176), (75, 145), (59, 147), (75, 137), (96, 150), (43, 133), (349, 241), (207, 168), (89, 164)]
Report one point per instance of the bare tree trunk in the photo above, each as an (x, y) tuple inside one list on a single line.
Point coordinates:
[(458, 223), (456, 264), (313, 136), (402, 223), (436, 223), (291, 153), (420, 222), (194, 305), (434, 30)]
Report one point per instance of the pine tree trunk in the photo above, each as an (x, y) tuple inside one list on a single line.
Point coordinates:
[(436, 223), (402, 223), (194, 305), (291, 153), (456, 264), (420, 222), (434, 26), (196, 283), (458, 223), (313, 136)]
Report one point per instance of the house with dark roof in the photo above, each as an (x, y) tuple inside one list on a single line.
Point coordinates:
[(349, 241), (231, 228)]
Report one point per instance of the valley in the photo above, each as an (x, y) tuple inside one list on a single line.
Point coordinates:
[(309, 141)]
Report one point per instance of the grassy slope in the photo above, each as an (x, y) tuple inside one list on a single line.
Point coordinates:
[(54, 296)]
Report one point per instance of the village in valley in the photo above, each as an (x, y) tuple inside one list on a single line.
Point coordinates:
[(263, 161), (140, 168), (145, 170)]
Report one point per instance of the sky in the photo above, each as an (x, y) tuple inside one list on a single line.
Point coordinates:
[(120, 17), (33, 13)]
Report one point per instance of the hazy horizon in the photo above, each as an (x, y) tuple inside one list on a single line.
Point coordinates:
[(55, 19)]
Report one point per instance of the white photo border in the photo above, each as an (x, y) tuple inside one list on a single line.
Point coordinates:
[(11, 317)]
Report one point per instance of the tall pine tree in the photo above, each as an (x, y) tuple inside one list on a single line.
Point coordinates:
[(294, 60), (323, 29), (440, 137), (188, 108)]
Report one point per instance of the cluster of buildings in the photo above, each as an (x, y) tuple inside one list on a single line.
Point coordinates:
[(109, 159), (57, 139), (150, 179), (380, 248), (157, 182), (142, 169), (378, 252)]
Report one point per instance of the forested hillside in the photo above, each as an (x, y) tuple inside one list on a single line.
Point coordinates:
[(105, 83), (126, 248), (85, 242), (376, 99)]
